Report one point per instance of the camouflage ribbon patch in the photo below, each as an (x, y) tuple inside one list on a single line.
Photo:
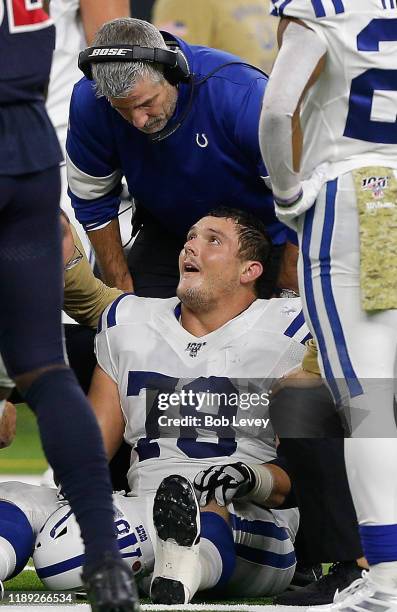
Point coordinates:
[(376, 192), (310, 358)]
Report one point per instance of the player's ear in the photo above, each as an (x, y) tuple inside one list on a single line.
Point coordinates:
[(250, 272)]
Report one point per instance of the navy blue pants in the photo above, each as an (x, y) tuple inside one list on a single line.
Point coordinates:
[(31, 281), (30, 271)]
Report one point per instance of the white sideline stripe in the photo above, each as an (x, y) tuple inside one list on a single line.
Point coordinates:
[(224, 607), (83, 607), (28, 478)]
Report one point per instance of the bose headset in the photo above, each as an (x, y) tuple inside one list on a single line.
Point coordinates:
[(173, 61)]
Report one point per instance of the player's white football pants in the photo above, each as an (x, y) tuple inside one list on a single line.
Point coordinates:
[(358, 350)]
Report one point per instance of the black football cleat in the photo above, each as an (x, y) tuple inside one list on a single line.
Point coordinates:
[(176, 518), (305, 574), (322, 591), (111, 587)]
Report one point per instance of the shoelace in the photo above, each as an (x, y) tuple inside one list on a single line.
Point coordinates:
[(353, 589)]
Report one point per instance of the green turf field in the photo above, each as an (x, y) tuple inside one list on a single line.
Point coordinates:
[(25, 455), (28, 581)]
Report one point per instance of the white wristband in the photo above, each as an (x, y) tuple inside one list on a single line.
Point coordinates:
[(263, 484), (2, 407)]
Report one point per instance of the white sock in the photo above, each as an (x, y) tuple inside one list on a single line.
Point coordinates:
[(7, 559), (211, 564), (384, 574)]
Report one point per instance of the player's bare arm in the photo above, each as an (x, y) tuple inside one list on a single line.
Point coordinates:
[(105, 401), (280, 113), (96, 12), (8, 423), (111, 258)]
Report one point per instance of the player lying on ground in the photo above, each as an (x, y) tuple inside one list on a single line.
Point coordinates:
[(209, 340)]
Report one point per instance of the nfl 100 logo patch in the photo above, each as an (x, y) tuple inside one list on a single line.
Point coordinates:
[(376, 184), (194, 347)]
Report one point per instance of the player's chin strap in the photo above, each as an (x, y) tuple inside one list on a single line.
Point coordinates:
[(173, 126)]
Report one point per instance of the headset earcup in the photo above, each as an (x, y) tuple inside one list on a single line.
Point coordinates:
[(179, 73), (85, 65)]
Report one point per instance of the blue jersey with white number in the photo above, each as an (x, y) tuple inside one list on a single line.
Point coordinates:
[(213, 158), (349, 116), (218, 383), (27, 38)]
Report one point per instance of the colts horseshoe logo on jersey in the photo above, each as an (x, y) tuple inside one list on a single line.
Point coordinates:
[(202, 140)]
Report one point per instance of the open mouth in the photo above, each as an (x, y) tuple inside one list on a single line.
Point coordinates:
[(189, 267)]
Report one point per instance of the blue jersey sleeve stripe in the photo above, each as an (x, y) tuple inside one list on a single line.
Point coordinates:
[(64, 566), (111, 318), (306, 338), (295, 326), (339, 8), (263, 528), (100, 322), (16, 529), (282, 7), (318, 8), (265, 557)]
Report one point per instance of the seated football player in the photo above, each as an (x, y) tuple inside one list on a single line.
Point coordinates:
[(185, 380)]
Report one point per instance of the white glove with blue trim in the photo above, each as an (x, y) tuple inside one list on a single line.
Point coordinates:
[(310, 188)]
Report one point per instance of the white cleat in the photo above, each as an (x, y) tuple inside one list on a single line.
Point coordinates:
[(176, 517), (363, 595)]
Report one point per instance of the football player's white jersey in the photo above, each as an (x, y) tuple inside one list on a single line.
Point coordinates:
[(70, 39), (349, 115), (216, 385)]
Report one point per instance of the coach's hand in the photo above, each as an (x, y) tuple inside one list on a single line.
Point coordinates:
[(224, 482)]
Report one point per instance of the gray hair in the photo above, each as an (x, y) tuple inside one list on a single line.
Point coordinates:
[(117, 79)]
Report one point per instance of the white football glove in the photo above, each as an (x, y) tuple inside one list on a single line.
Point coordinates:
[(310, 190), (223, 482)]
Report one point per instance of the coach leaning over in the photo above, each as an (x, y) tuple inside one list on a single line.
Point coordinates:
[(180, 123)]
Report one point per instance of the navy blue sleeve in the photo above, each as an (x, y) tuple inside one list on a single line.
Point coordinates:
[(94, 175)]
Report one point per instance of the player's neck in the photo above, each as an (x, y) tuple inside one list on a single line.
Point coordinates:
[(202, 323)]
